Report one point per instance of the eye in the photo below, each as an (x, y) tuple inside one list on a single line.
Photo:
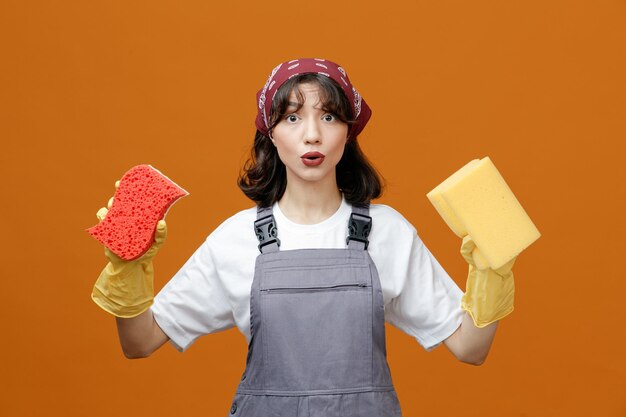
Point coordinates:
[(291, 118), (329, 117)]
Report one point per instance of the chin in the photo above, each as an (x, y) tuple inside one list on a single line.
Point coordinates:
[(312, 177)]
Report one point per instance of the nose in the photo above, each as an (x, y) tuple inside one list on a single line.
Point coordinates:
[(312, 132)]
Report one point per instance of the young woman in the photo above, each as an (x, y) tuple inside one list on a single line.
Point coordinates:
[(311, 273)]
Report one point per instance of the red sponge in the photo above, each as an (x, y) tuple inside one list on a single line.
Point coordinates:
[(141, 200)]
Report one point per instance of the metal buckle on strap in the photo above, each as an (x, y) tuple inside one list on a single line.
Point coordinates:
[(359, 228), (266, 231)]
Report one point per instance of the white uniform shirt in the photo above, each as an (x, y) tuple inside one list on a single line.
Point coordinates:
[(211, 292)]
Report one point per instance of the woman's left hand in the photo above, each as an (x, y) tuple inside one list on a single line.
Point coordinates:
[(489, 293)]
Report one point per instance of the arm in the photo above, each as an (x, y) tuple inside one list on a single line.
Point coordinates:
[(140, 336), (469, 343), (125, 289)]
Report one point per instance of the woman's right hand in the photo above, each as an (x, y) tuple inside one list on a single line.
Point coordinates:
[(126, 288)]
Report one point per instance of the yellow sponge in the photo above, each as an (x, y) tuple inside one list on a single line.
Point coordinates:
[(476, 201)]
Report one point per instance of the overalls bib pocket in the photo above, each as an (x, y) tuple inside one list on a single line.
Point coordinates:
[(318, 327)]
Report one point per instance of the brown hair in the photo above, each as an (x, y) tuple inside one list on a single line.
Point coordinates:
[(264, 178)]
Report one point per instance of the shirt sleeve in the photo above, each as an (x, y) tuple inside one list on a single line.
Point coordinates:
[(193, 303), (428, 305)]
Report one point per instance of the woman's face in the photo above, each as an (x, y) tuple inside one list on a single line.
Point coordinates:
[(311, 141)]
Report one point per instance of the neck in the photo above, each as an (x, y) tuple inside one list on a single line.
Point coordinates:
[(310, 202)]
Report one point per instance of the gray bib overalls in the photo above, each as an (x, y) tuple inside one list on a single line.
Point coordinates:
[(317, 346)]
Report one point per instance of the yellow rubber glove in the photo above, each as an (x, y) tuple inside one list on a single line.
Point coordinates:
[(489, 293), (126, 288)]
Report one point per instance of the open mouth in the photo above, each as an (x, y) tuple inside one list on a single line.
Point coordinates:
[(312, 158)]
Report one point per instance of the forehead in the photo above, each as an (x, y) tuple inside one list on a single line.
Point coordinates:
[(310, 92)]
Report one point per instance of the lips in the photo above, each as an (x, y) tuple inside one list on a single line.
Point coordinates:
[(312, 158), (310, 155)]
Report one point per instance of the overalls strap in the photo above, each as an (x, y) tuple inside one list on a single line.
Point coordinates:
[(266, 231), (359, 227)]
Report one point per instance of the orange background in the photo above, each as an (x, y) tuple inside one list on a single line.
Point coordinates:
[(89, 89)]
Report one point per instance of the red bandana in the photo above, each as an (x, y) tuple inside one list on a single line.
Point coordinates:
[(286, 70)]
